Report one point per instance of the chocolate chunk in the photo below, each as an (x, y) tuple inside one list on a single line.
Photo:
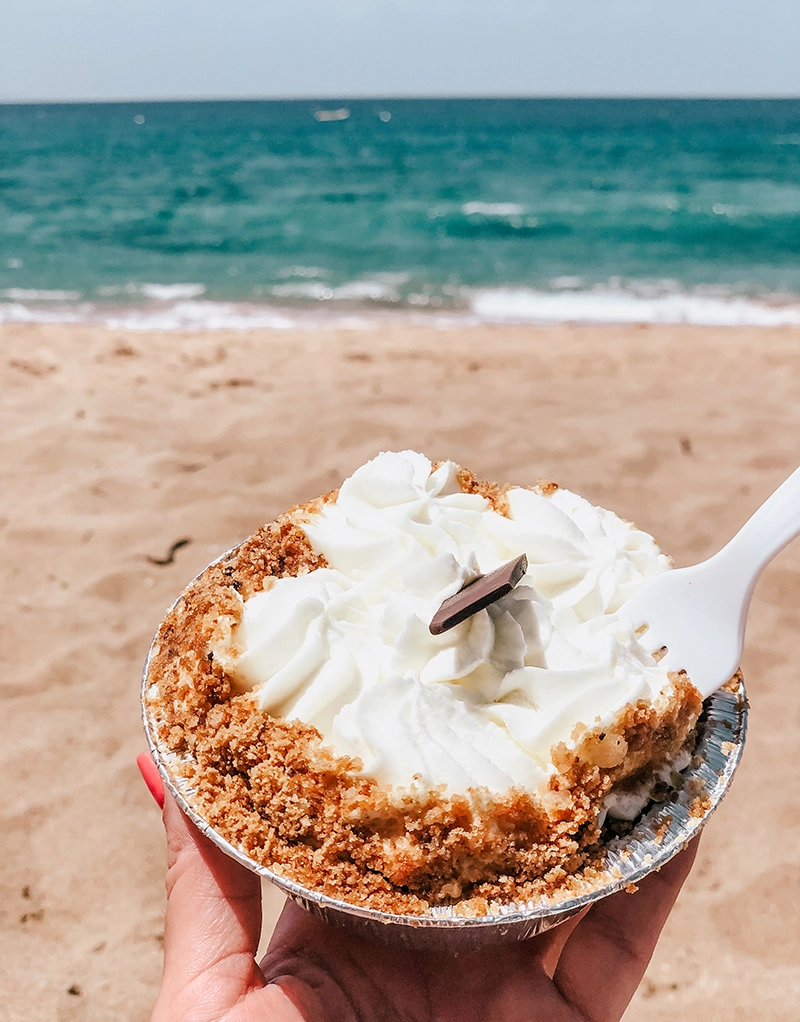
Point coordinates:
[(478, 594)]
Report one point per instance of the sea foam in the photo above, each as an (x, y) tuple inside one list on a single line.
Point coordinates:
[(364, 304), (507, 305)]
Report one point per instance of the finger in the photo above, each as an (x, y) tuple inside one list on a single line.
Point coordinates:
[(212, 924), (551, 943), (332, 973), (329, 973), (604, 960)]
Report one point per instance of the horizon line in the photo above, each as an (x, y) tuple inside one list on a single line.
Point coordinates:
[(389, 98)]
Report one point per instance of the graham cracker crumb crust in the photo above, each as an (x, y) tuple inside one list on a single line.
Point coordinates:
[(272, 789)]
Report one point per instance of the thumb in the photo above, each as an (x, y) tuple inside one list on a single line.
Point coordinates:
[(212, 925)]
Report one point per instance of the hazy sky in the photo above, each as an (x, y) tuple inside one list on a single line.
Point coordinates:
[(146, 49)]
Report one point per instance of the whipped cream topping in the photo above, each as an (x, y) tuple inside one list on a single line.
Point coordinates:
[(347, 648)]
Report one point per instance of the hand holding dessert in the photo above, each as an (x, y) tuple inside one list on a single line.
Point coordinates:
[(588, 968)]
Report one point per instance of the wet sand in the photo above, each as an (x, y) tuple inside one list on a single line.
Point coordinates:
[(116, 445)]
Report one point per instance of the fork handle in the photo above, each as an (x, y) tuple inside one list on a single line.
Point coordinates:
[(765, 534)]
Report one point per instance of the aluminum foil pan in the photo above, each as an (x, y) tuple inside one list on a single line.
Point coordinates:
[(661, 832)]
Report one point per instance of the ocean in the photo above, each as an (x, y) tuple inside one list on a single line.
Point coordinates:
[(237, 214)]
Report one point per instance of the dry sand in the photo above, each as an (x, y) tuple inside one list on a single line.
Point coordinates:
[(116, 445)]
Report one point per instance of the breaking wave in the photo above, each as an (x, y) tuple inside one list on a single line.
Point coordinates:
[(359, 303)]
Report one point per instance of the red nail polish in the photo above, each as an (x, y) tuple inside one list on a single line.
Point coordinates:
[(151, 777)]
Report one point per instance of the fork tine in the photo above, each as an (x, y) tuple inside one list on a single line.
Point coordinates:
[(652, 640)]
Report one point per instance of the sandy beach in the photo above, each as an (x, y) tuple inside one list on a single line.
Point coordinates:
[(118, 444)]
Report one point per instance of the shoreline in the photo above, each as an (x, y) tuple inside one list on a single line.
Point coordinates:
[(181, 308), (118, 443)]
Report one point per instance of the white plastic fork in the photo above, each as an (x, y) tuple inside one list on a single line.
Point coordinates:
[(699, 613)]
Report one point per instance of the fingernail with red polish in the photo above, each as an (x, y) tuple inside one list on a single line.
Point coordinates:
[(151, 777)]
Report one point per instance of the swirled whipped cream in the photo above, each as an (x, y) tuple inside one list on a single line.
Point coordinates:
[(347, 647)]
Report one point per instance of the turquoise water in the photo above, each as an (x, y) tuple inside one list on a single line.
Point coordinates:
[(498, 208)]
